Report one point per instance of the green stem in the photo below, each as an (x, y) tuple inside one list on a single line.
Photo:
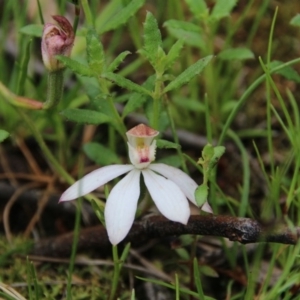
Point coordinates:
[(74, 248), (176, 140), (118, 120), (156, 101), (116, 273), (55, 89), (87, 13)]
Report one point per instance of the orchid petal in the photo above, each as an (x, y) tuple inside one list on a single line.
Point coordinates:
[(168, 197), (206, 207), (93, 180), (182, 180), (121, 206)]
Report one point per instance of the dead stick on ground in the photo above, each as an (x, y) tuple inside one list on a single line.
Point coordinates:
[(243, 230)]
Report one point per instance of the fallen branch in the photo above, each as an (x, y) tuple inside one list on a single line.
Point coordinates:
[(243, 230)]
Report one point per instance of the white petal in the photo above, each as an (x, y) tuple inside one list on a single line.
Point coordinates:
[(121, 206), (168, 197), (185, 182), (182, 180), (206, 207), (93, 180)]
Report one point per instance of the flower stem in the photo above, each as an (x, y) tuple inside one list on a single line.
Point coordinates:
[(74, 248), (176, 140), (55, 89), (116, 272)]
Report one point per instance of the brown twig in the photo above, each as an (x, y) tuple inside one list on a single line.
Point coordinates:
[(243, 230)]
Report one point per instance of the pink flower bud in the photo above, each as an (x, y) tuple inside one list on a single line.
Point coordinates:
[(56, 40)]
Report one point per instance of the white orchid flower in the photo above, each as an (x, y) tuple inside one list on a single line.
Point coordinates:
[(169, 187)]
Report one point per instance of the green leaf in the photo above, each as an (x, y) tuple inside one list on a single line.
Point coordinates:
[(236, 54), (287, 72), (76, 66), (189, 32), (190, 104), (222, 9), (173, 53), (126, 83), (135, 102), (198, 8), (218, 152), (152, 38), (3, 135), (208, 152), (197, 279), (95, 52), (100, 154), (117, 61), (187, 26), (166, 144), (32, 30), (209, 271), (188, 74), (122, 16), (201, 194), (295, 20), (85, 116)]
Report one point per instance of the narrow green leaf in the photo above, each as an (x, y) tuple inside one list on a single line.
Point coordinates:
[(135, 102), (85, 116), (189, 104), (295, 20), (197, 279), (117, 61), (32, 30), (187, 31), (126, 83), (3, 135), (287, 72), (173, 53), (218, 152), (95, 52), (166, 144), (76, 66), (222, 9), (188, 74), (209, 271), (188, 26), (236, 54), (122, 16), (152, 38), (98, 211), (201, 194), (100, 154), (197, 7)]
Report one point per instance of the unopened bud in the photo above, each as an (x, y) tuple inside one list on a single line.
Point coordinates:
[(57, 40)]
